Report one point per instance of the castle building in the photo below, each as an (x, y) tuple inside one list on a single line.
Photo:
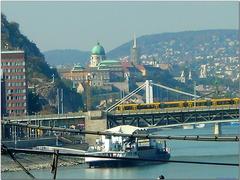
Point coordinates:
[(100, 71), (14, 81)]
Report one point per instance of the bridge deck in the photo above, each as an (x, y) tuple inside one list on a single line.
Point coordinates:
[(45, 117)]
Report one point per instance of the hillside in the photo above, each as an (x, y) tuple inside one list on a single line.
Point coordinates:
[(38, 73), (66, 56), (165, 47), (181, 45)]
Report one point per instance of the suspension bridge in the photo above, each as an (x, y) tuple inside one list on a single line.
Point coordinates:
[(175, 113)]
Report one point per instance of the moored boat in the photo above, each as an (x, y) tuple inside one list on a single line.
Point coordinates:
[(112, 151), (200, 125), (188, 126)]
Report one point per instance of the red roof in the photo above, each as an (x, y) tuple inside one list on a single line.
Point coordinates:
[(126, 64)]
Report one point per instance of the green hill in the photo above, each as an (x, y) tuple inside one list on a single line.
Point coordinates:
[(42, 92)]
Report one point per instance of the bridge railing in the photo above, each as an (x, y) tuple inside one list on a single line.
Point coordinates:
[(43, 116)]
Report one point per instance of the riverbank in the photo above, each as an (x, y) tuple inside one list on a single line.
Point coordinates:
[(30, 162)]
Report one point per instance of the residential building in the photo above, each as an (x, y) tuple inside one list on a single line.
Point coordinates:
[(14, 78)]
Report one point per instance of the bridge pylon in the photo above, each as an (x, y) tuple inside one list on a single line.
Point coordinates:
[(217, 129), (149, 91)]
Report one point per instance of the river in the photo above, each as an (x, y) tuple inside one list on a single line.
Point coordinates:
[(227, 152)]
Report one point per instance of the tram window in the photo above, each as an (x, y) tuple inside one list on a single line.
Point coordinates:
[(224, 102), (128, 108), (145, 106), (162, 105), (204, 103), (142, 106), (235, 101), (209, 103), (185, 104), (119, 108), (172, 105)]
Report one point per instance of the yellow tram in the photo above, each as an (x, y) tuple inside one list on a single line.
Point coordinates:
[(201, 103)]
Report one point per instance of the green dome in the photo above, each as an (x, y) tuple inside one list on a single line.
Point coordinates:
[(98, 50)]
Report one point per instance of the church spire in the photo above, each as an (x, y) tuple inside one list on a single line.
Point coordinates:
[(134, 51), (134, 41)]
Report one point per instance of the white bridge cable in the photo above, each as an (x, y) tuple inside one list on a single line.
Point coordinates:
[(175, 90), (126, 97)]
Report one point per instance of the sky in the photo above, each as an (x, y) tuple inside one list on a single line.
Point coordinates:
[(79, 25)]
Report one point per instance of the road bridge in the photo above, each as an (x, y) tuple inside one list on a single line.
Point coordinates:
[(71, 120), (163, 117), (47, 117), (170, 113)]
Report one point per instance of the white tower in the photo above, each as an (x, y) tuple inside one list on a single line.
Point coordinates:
[(203, 71), (190, 75), (134, 51), (182, 77)]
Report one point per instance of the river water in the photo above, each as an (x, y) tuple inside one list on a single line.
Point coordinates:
[(227, 152)]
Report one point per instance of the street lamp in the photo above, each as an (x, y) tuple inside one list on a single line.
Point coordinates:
[(88, 91)]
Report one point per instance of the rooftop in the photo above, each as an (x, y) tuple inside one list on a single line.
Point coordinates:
[(11, 52)]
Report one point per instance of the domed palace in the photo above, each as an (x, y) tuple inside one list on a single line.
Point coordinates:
[(100, 70)]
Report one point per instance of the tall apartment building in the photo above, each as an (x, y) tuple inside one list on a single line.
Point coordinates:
[(14, 78)]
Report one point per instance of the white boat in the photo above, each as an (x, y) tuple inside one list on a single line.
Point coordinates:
[(119, 150), (188, 126), (236, 124), (200, 125)]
